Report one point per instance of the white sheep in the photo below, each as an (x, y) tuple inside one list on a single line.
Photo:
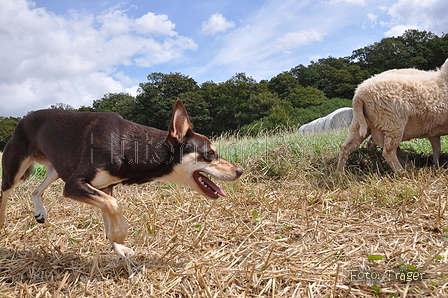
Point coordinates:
[(435, 141), (396, 106)]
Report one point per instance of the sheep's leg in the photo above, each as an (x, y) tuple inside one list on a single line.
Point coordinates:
[(402, 156), (435, 144), (352, 142), (377, 137), (391, 145)]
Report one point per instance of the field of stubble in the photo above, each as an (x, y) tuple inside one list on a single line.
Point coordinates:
[(289, 227)]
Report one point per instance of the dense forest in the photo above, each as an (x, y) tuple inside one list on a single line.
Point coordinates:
[(289, 99)]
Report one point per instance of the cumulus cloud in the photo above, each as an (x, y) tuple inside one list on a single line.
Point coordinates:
[(293, 40), (372, 17), (399, 30), (48, 58), (216, 23), (415, 14)]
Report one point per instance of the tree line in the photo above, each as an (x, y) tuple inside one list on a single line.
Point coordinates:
[(289, 99)]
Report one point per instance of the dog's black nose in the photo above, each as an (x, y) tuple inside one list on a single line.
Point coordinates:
[(239, 171)]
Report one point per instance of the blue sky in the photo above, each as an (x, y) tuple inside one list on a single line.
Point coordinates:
[(74, 52)]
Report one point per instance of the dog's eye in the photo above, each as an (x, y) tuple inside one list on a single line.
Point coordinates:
[(211, 155)]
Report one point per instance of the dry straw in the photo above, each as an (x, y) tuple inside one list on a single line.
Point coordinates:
[(289, 228)]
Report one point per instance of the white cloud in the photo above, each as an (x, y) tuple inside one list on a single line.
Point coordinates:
[(47, 58), (155, 24), (270, 39), (216, 23), (293, 40), (123, 78), (134, 90), (424, 15), (399, 30), (355, 2), (373, 18)]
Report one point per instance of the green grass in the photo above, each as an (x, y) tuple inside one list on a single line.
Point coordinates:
[(423, 145), (287, 146), (283, 153), (39, 171), (239, 149)]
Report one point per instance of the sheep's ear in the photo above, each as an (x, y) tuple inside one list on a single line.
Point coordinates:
[(180, 125)]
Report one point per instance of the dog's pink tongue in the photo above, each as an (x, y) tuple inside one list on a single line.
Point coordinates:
[(221, 192), (213, 186)]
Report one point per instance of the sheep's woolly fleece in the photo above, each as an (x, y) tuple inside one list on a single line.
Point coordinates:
[(410, 100), (396, 106)]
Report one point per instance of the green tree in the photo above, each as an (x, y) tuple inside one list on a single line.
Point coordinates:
[(336, 77), (306, 75), (198, 111), (168, 85), (279, 115), (227, 99), (85, 109), (258, 106), (108, 102), (302, 97), (126, 107), (120, 103), (438, 51), (62, 106), (283, 84), (416, 43), (154, 104), (7, 126), (411, 50)]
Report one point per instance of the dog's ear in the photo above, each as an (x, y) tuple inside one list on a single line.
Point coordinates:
[(180, 125)]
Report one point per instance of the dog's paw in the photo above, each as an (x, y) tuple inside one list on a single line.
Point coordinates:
[(122, 250), (40, 218), (40, 213)]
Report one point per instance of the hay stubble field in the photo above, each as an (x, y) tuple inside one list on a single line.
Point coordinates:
[(289, 227)]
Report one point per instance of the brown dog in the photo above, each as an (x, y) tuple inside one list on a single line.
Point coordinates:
[(92, 152)]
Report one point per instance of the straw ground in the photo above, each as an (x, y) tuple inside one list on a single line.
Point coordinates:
[(289, 227)]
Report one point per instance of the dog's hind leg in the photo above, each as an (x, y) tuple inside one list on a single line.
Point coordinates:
[(116, 226), (40, 213), (13, 169), (3, 200)]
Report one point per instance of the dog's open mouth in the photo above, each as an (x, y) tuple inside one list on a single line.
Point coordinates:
[(208, 187)]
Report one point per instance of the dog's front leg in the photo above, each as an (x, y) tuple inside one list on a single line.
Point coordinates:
[(108, 191), (115, 223), (118, 248), (116, 233)]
